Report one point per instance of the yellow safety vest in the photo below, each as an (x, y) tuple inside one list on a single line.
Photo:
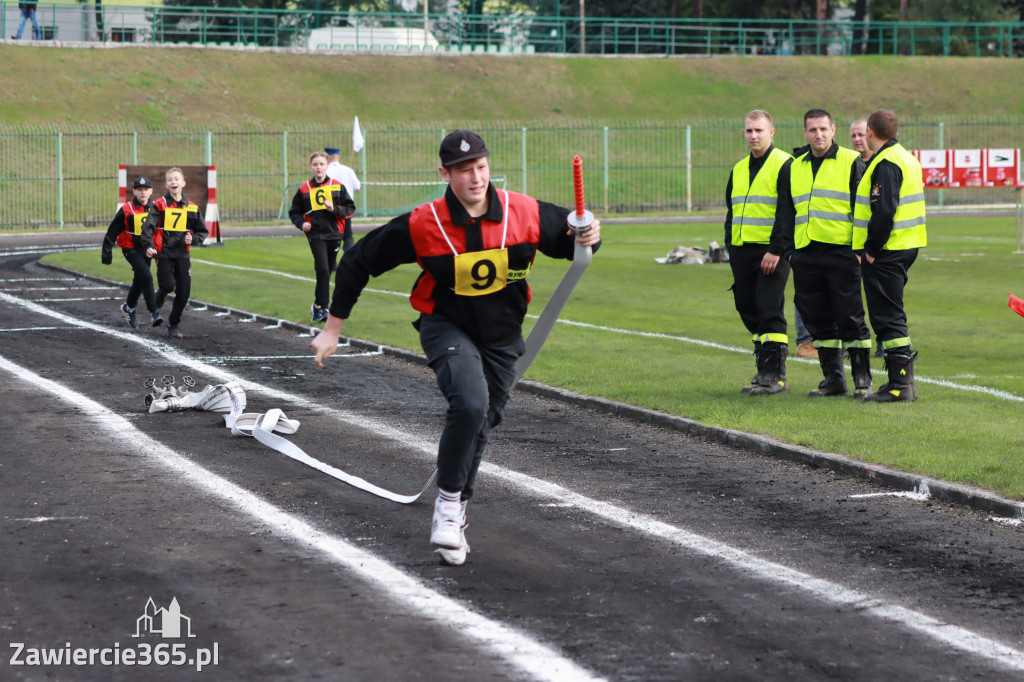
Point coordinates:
[(753, 204), (908, 228), (822, 201)]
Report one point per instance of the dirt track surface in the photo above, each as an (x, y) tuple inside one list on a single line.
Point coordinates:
[(600, 547)]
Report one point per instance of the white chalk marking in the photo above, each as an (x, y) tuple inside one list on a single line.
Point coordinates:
[(744, 563), (513, 646), (911, 496)]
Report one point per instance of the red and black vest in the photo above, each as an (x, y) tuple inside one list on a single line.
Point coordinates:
[(322, 222), (475, 274), (134, 217), (175, 219)]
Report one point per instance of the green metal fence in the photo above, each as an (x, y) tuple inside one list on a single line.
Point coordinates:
[(516, 33), (61, 178)]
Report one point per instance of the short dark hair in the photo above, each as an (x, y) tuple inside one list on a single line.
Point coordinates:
[(818, 113), (884, 124)]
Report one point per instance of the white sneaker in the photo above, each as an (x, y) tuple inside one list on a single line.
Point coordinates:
[(449, 518), (454, 557)]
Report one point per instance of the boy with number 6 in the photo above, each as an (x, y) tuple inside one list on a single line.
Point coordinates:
[(319, 208)]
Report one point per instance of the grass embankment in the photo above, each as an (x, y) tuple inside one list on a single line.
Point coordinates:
[(159, 88), (964, 429)]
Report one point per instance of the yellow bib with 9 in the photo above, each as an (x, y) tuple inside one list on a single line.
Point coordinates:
[(478, 273)]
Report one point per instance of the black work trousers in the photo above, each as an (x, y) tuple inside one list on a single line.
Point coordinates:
[(827, 278), (325, 260), (884, 282), (475, 379), (759, 298), (174, 275), (142, 280)]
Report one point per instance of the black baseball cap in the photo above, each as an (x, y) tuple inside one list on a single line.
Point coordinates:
[(143, 182), (462, 145)]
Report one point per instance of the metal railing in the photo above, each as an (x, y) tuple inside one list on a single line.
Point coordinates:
[(631, 167), (513, 33)]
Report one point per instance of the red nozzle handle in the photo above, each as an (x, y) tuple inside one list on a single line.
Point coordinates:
[(577, 178)]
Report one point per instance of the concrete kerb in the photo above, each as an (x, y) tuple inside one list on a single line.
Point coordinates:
[(954, 493)]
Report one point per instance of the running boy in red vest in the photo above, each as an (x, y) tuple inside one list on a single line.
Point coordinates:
[(126, 231), (475, 246), (174, 223), (319, 208)]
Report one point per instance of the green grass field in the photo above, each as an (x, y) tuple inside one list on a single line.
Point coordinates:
[(667, 337), (232, 90)]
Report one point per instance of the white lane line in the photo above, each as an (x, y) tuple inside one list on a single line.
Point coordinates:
[(75, 288), (82, 298), (34, 329), (513, 646), (42, 251), (744, 563), (995, 393)]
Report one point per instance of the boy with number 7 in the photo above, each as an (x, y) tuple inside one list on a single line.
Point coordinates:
[(173, 224)]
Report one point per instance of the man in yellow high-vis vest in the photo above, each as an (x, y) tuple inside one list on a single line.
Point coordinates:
[(889, 225), (758, 232), (826, 271)]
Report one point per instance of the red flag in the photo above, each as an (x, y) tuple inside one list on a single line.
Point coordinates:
[(1016, 305)]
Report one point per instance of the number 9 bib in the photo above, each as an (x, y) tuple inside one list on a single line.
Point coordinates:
[(478, 273)]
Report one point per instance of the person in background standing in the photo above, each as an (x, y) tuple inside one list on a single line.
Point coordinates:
[(28, 13), (758, 233), (859, 139), (826, 271), (889, 225)]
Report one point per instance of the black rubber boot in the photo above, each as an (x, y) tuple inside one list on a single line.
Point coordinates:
[(899, 363), (834, 383), (860, 365), (775, 370), (759, 360)]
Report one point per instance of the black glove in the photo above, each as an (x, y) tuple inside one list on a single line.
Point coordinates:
[(106, 258)]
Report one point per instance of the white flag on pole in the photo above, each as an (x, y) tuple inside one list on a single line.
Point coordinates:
[(357, 136)]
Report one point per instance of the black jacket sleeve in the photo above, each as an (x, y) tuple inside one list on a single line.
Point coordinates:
[(781, 242), (297, 212), (886, 180), (728, 212), (149, 227), (382, 249), (110, 238), (201, 232)]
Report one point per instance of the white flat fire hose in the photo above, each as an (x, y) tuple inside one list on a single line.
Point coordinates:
[(264, 433)]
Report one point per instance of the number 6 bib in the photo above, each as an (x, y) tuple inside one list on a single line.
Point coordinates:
[(478, 273)]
